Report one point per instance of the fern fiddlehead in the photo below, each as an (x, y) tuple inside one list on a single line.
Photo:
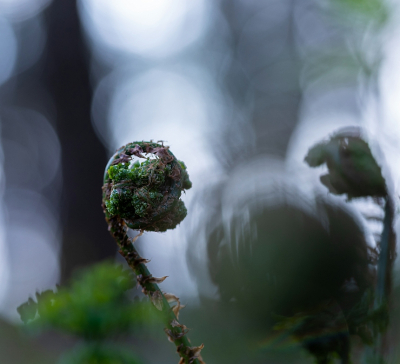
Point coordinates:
[(353, 170), (145, 196)]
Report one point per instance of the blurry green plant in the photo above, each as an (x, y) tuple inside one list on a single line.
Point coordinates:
[(95, 307), (353, 171), (323, 330), (372, 10), (99, 354)]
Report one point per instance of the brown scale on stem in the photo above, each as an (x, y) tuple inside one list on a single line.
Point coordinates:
[(193, 353)]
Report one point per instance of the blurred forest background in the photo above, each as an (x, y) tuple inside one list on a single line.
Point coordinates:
[(240, 90)]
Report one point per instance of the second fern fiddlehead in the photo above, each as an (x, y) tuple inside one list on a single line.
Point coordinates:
[(145, 195), (353, 170)]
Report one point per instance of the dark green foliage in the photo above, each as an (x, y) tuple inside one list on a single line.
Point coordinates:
[(325, 330), (146, 194), (95, 306), (367, 322), (28, 310), (99, 354)]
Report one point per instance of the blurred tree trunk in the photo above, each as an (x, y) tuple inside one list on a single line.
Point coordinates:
[(269, 70), (66, 74)]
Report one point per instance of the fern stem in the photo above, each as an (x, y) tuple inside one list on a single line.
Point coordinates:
[(386, 256)]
